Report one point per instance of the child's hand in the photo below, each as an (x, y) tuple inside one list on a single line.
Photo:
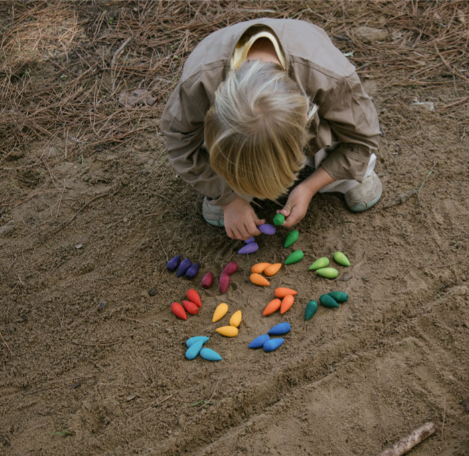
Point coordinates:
[(297, 205), (240, 220)]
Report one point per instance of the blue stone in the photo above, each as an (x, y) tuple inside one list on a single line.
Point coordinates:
[(193, 340), (210, 355), (273, 344), (281, 328), (194, 350), (259, 342)]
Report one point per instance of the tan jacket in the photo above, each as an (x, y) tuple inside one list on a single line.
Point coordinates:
[(346, 113)]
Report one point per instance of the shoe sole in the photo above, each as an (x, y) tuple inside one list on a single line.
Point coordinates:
[(362, 207)]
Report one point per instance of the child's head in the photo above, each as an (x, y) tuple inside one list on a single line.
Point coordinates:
[(256, 130)]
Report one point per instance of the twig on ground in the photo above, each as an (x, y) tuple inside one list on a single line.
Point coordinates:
[(153, 405), (407, 443), (1, 335)]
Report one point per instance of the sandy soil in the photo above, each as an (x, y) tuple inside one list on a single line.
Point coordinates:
[(92, 364)]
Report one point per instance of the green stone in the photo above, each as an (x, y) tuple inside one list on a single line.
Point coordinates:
[(340, 258), (311, 308), (291, 238), (294, 257), (328, 301), (279, 219), (339, 296), (320, 263), (330, 273)]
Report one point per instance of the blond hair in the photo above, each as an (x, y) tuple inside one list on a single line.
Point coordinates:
[(256, 130)]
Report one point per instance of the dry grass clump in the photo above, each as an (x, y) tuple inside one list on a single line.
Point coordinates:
[(64, 64)]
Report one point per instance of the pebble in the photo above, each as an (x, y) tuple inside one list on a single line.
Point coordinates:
[(210, 355), (328, 301), (267, 228), (294, 257), (249, 248), (311, 309), (259, 342), (273, 344), (280, 329), (320, 263), (291, 238), (152, 291), (279, 219)]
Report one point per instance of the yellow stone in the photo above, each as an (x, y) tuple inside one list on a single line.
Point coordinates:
[(236, 318), (228, 331), (220, 312)]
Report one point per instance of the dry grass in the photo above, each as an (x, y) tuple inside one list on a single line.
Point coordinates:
[(60, 82)]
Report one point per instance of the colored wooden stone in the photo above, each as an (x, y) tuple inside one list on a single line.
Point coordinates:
[(340, 258), (279, 219), (194, 350), (311, 309), (273, 344), (291, 238), (183, 267), (228, 331), (230, 268), (259, 342), (249, 248), (267, 228), (329, 273), (224, 282), (178, 310), (220, 312), (272, 269), (236, 318), (194, 297), (193, 271), (193, 340), (287, 302), (251, 239), (328, 301), (207, 280), (294, 257), (339, 296), (320, 263), (259, 267), (257, 279), (272, 307), (173, 263), (280, 329), (210, 355), (282, 292), (192, 308)]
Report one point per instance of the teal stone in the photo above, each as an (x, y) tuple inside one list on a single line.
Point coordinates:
[(339, 296), (193, 340), (311, 309), (194, 350), (210, 355), (328, 301)]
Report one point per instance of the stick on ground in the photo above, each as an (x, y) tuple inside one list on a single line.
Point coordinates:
[(407, 443)]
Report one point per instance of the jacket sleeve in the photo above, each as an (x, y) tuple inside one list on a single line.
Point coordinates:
[(354, 121), (183, 125)]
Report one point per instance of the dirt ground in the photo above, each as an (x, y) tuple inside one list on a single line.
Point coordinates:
[(91, 210)]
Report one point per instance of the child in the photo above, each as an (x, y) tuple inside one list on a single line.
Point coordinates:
[(256, 103)]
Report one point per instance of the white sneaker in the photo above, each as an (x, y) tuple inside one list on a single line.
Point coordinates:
[(212, 214), (365, 195)]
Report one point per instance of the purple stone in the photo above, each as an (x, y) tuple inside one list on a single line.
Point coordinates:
[(183, 267), (249, 248), (193, 271), (267, 228), (250, 240)]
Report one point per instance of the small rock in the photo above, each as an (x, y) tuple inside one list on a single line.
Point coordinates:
[(423, 105), (370, 34), (101, 305), (460, 17), (79, 246), (138, 97), (152, 291), (8, 228)]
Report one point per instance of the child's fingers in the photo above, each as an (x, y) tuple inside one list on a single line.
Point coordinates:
[(252, 229), (286, 211), (259, 221), (293, 218)]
